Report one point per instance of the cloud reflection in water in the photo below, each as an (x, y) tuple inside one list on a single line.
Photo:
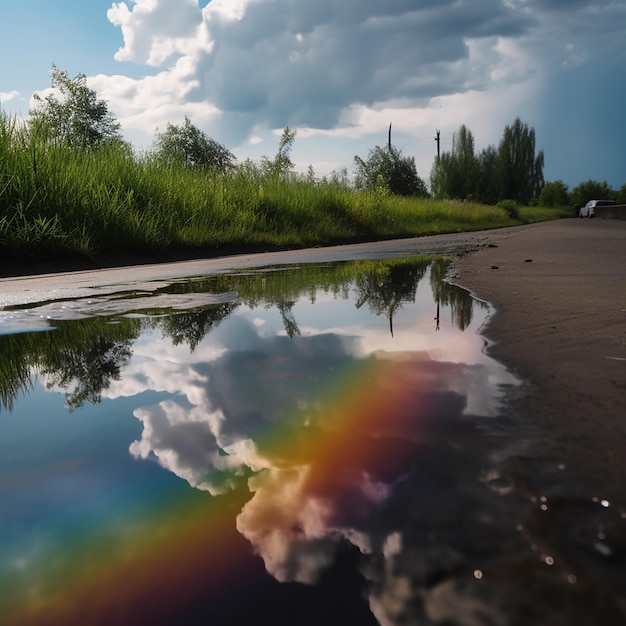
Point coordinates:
[(338, 437)]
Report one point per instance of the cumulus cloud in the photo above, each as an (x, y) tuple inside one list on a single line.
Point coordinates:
[(154, 30), (5, 96), (340, 72), (272, 63)]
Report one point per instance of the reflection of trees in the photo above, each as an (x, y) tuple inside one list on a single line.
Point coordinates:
[(81, 357), (386, 286), (85, 373), (289, 321), (191, 327), (459, 300), (15, 375)]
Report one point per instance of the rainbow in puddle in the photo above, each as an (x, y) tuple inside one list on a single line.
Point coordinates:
[(176, 552)]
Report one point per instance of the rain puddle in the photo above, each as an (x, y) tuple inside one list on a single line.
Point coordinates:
[(317, 444)]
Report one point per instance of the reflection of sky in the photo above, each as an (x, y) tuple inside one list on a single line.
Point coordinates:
[(248, 382), (340, 434)]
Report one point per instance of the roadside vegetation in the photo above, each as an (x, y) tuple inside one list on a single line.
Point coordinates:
[(70, 186)]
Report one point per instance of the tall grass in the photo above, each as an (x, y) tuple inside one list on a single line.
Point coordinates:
[(56, 201)]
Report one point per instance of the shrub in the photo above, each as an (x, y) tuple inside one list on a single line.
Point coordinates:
[(511, 207)]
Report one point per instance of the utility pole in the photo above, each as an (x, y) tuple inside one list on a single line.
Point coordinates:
[(438, 142), (389, 137)]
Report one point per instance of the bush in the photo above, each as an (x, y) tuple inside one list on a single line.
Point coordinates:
[(388, 168), (511, 207), (591, 190), (554, 194)]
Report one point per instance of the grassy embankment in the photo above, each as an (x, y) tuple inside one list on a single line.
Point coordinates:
[(56, 202)]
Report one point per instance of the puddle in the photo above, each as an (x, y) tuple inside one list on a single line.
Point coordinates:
[(289, 445)]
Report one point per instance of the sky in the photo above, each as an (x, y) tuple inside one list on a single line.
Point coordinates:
[(340, 72)]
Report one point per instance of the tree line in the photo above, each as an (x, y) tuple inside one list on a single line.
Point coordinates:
[(512, 172)]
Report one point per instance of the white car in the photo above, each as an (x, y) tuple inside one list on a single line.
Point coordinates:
[(589, 210)]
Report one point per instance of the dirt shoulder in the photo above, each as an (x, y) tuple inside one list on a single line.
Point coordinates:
[(559, 290)]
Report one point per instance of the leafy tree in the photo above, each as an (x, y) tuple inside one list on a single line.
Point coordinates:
[(554, 194), (621, 194), (591, 190), (187, 145), (77, 118), (443, 176), (455, 173), (281, 165), (520, 171), (487, 179), (466, 161), (388, 168)]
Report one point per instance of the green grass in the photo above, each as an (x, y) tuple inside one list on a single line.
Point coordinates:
[(58, 202)]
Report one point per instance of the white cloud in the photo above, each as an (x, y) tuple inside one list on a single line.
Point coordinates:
[(6, 96), (186, 442), (309, 64), (154, 30), (341, 72)]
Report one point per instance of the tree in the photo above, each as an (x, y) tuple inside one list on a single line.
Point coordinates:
[(591, 190), (520, 172), (442, 176), (554, 194), (455, 173), (487, 178), (388, 168), (78, 118), (187, 145), (466, 161), (281, 165)]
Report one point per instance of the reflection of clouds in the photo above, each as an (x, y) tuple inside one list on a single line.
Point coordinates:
[(185, 441), (288, 528), (342, 492), (157, 365), (294, 529), (268, 384), (323, 469)]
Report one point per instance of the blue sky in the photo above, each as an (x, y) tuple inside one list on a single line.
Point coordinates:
[(340, 73)]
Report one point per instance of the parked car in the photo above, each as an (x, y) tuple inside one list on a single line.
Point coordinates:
[(589, 209)]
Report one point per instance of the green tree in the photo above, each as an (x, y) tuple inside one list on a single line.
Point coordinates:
[(554, 194), (520, 171), (466, 161), (281, 165), (187, 145), (487, 178), (78, 118), (621, 194), (443, 176), (388, 168), (591, 190), (455, 173)]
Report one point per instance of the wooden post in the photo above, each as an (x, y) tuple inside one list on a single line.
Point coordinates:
[(437, 140), (389, 137)]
